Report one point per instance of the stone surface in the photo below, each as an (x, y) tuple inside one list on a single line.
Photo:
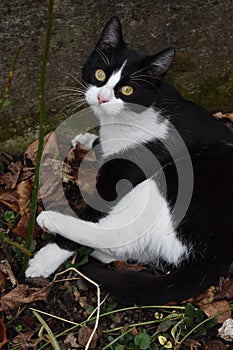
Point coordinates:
[(201, 31)]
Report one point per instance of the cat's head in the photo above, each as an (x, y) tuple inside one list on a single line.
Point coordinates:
[(116, 75)]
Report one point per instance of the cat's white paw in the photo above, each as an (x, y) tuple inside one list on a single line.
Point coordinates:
[(86, 140), (48, 220), (47, 260)]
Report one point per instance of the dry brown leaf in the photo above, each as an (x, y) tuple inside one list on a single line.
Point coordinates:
[(21, 229), (3, 338), (207, 297), (25, 341), (5, 268), (134, 331), (17, 200), (10, 198), (85, 179), (24, 190), (84, 335), (10, 179), (2, 281), (27, 173), (217, 307), (215, 345), (72, 340), (230, 116), (22, 294), (226, 290), (124, 266), (220, 115), (6, 158), (50, 142)]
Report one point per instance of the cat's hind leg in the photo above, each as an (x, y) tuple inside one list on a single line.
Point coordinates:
[(47, 260)]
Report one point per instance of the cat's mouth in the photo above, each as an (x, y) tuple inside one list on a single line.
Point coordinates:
[(102, 104)]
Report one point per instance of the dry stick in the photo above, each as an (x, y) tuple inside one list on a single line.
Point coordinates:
[(97, 308), (10, 77), (33, 205), (98, 300), (15, 244)]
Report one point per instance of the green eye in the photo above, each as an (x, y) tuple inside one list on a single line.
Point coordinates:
[(126, 90), (100, 74)]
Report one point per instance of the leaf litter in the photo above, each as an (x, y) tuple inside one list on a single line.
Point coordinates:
[(65, 299)]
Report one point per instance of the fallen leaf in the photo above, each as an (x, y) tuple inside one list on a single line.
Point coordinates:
[(84, 335), (24, 191), (207, 297), (215, 345), (50, 143), (72, 340), (220, 115), (22, 294), (3, 338), (2, 281), (124, 266), (27, 173), (26, 341), (226, 290), (230, 116), (226, 331), (85, 179), (5, 267), (9, 198), (217, 307), (134, 331), (6, 158), (10, 179), (21, 229)]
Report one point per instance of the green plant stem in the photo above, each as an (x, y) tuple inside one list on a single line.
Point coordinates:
[(116, 339), (15, 244), (33, 205), (199, 325), (51, 336), (163, 307), (10, 77)]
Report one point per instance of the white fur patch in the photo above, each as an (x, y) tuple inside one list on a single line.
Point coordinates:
[(131, 129), (47, 260), (139, 228), (86, 140)]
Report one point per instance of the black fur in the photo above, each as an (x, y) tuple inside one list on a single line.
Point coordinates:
[(208, 223)]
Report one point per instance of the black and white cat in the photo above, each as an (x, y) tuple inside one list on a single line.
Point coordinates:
[(156, 148)]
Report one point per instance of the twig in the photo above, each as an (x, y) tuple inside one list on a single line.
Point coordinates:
[(33, 205), (98, 300), (10, 77), (15, 244)]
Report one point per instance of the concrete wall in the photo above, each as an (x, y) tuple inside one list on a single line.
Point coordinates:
[(201, 31)]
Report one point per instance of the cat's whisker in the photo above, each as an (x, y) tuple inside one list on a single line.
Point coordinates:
[(139, 71), (78, 81), (71, 89), (65, 95), (73, 107)]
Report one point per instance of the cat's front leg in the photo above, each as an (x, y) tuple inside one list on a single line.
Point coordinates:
[(47, 260), (51, 221), (86, 140)]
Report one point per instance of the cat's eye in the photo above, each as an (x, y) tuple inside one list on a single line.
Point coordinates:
[(126, 90), (100, 74)]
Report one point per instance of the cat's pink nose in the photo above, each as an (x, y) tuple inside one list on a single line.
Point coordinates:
[(102, 99)]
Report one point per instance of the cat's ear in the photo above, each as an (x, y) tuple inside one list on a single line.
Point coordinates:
[(111, 35), (162, 61)]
